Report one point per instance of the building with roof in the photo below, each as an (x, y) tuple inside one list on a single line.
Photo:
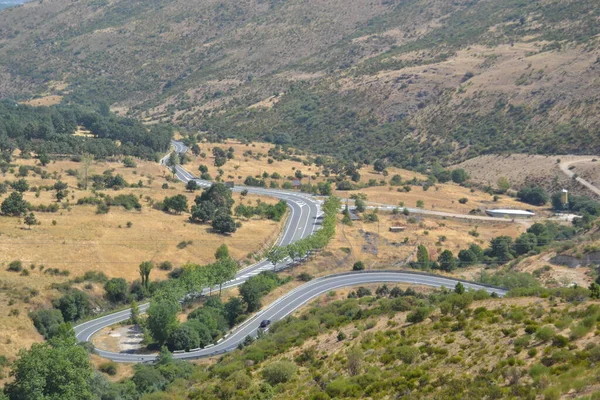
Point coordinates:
[(509, 213)]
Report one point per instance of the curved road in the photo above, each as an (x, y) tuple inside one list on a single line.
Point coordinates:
[(281, 308), (303, 221), (564, 166)]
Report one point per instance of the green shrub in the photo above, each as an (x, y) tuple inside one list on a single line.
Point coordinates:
[(109, 368), (279, 372)]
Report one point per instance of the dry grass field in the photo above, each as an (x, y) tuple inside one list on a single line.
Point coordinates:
[(80, 240)]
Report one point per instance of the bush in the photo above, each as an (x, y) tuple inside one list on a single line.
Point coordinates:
[(545, 333), (418, 315), (47, 321), (165, 266), (358, 266), (109, 368), (279, 372), (15, 266), (305, 277)]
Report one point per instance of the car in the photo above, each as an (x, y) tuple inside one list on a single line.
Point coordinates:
[(264, 323)]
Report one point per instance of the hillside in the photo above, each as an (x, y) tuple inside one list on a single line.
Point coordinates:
[(415, 81)]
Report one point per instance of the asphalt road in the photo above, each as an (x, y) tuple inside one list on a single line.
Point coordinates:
[(286, 305), (303, 221)]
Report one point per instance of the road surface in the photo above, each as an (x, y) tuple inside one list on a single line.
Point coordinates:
[(277, 310), (303, 221)]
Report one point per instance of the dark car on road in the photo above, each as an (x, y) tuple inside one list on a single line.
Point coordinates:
[(264, 323)]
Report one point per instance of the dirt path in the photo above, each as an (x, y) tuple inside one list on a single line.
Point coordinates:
[(564, 167)]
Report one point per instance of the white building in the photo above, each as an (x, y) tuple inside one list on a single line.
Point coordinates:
[(508, 213)]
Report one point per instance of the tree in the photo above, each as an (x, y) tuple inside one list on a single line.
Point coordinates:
[(533, 195), (459, 288), (30, 220), (447, 261), (222, 252), (459, 175), (20, 185), (423, 256), (86, 163), (183, 337), (59, 370), (501, 248), (128, 162), (360, 205), (191, 186), (276, 254), (47, 321), (418, 315), (195, 149), (594, 290), (358, 266), (224, 271), (233, 309), (525, 243), (73, 306), (379, 165), (116, 290), (354, 358), (162, 319), (503, 184), (224, 223), (177, 204), (44, 159), (134, 317), (145, 268)]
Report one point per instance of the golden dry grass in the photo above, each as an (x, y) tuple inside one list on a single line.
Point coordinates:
[(242, 166), (83, 241), (44, 101)]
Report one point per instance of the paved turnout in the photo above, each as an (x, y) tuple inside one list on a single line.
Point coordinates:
[(302, 222)]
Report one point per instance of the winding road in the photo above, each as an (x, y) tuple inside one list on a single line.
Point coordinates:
[(564, 166), (303, 221)]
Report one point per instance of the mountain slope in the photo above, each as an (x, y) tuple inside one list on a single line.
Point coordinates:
[(411, 80)]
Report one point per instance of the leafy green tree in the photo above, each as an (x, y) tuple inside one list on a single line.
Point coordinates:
[(276, 255), (222, 252), (177, 204), (503, 184), (533, 195), (379, 165), (459, 175), (56, 370), (73, 306), (501, 248), (134, 317), (144, 269), (30, 220), (423, 256), (234, 308), (459, 288), (192, 186), (594, 290), (47, 321), (418, 315), (162, 319), (224, 223), (525, 243), (20, 186), (447, 261), (14, 205), (148, 379), (116, 290), (203, 212), (183, 337), (224, 271)]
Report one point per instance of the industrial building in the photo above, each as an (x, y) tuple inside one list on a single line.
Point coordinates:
[(508, 213)]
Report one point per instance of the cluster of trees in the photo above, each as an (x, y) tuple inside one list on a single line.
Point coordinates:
[(301, 248), (49, 130), (533, 195), (264, 210), (214, 205), (501, 250)]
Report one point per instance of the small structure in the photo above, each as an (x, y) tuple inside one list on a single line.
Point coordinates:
[(397, 228), (509, 213)]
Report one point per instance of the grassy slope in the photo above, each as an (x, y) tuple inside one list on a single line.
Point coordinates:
[(487, 349), (353, 78)]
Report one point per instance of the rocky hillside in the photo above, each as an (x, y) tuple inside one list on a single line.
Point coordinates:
[(414, 81)]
